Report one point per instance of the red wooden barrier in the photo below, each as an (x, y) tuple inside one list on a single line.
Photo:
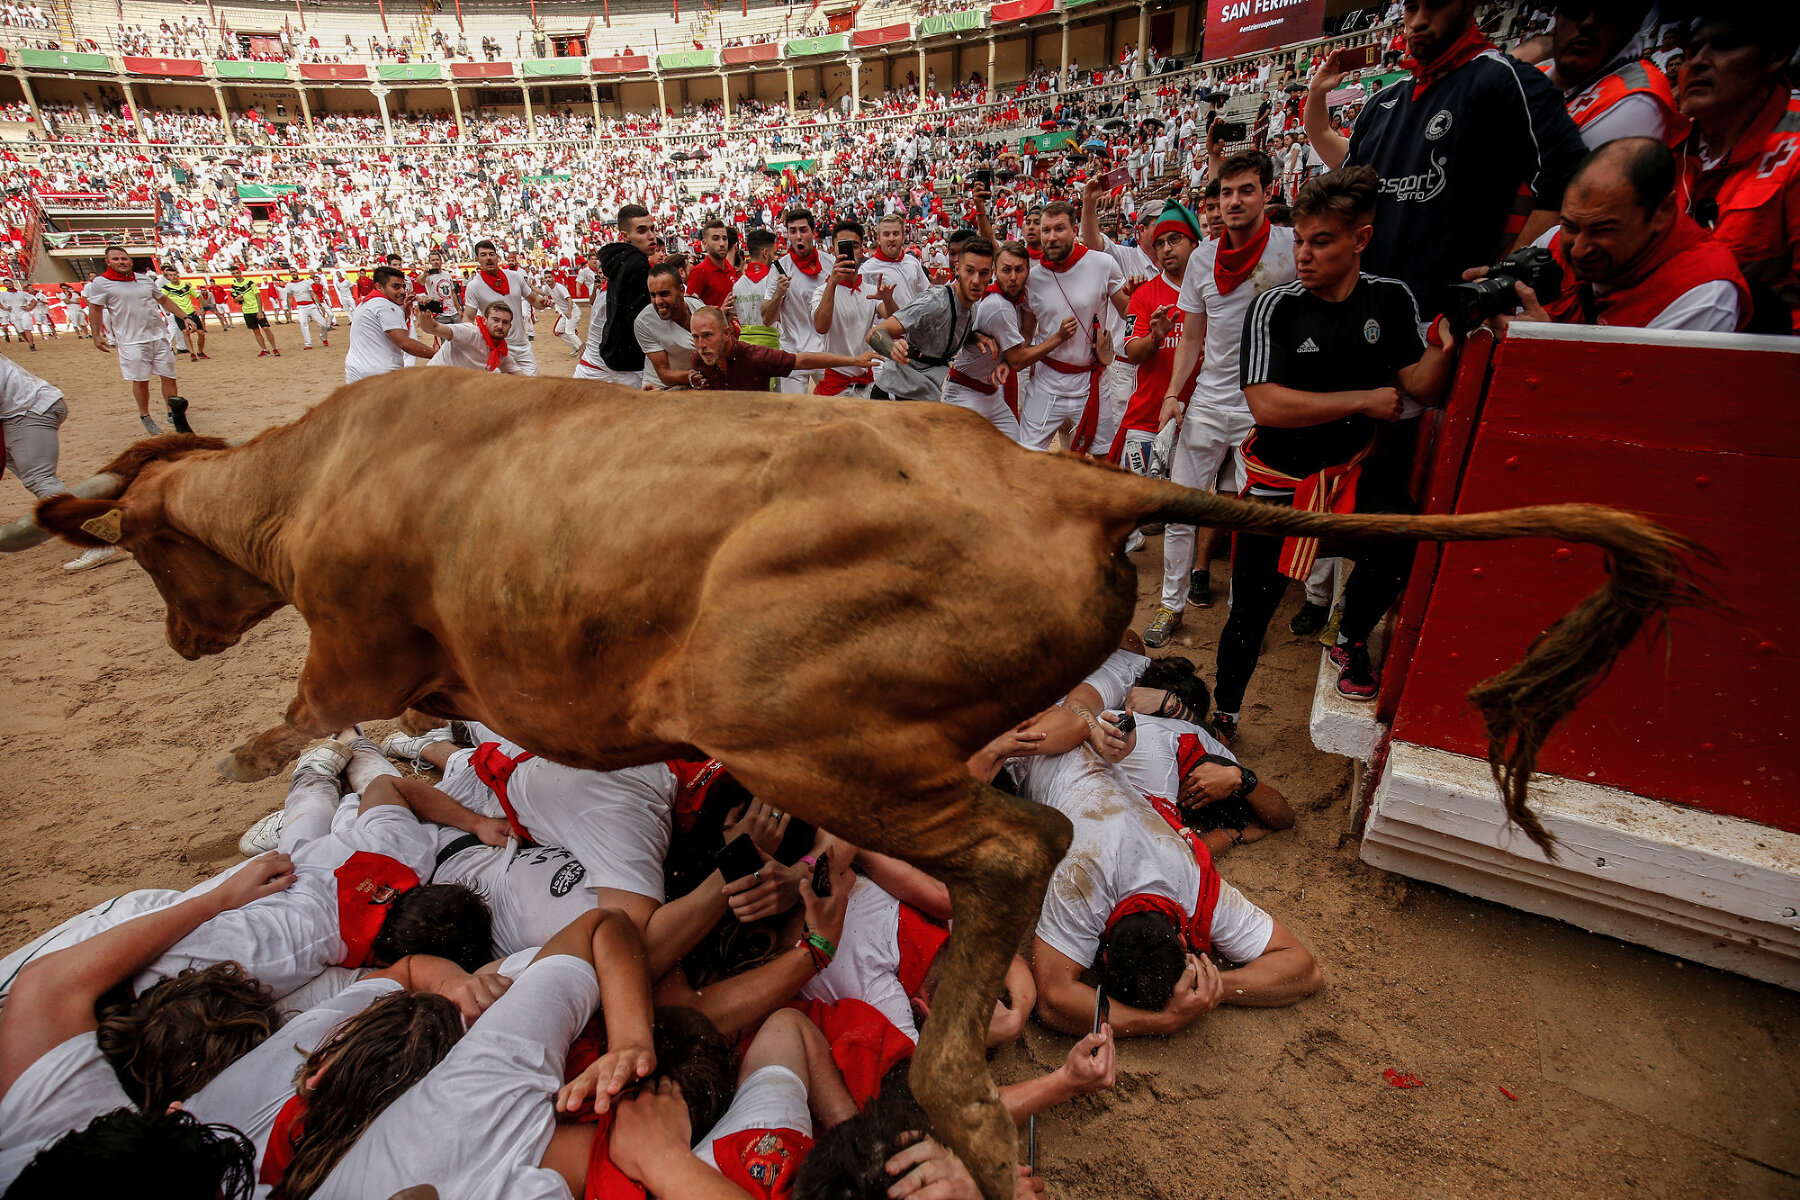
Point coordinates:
[(882, 36), (481, 70), (1698, 435), (623, 64), (167, 68), (323, 71)]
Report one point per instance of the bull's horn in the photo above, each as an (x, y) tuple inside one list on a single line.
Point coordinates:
[(25, 532)]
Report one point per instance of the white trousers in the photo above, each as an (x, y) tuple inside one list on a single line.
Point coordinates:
[(565, 329), (1205, 457), (992, 407), (309, 315)]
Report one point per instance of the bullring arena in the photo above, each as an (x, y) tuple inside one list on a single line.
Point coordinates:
[(1459, 1046)]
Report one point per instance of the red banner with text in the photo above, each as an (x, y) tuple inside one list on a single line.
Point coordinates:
[(1235, 27)]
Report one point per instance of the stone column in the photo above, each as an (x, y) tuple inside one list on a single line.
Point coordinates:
[(1143, 42), (456, 109), (992, 47), (387, 124), (921, 74), (37, 116), (790, 81), (306, 110), (530, 118), (594, 99), (1063, 81), (137, 118), (662, 96), (725, 96), (855, 87)]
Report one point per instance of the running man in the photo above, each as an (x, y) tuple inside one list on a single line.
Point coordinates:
[(248, 294), (303, 297), (186, 299)]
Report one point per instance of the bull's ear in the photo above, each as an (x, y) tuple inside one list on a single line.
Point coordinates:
[(88, 522)]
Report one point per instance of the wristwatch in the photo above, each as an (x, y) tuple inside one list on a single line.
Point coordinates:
[(1247, 786)]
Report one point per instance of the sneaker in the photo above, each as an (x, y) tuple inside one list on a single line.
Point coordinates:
[(262, 354), (98, 556), (263, 836), (1310, 619), (325, 341), (462, 735), (1134, 543), (178, 407), (327, 758), (1357, 679), (1339, 656), (1200, 589), (1225, 727), (409, 749), (1162, 626), (150, 425), (207, 357), (275, 353), (306, 347)]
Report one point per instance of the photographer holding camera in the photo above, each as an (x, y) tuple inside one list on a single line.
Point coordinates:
[(1625, 254), (1324, 361)]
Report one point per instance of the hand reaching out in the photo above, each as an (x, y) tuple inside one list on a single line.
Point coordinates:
[(606, 1077), (262, 876)]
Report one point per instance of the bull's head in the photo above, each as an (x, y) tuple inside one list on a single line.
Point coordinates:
[(211, 600)]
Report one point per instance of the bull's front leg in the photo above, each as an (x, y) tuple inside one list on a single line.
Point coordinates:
[(271, 750), (996, 874)]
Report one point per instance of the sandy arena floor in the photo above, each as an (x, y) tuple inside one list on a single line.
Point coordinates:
[(1635, 1074)]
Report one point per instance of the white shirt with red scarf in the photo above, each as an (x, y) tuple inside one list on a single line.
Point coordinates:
[(1122, 848), (1083, 288)]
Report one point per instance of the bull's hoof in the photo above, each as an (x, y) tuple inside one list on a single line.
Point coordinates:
[(234, 768), (413, 722)]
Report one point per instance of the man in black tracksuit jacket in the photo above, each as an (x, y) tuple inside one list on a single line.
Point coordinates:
[(626, 265)]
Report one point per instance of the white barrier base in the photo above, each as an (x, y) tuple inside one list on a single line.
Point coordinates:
[(1717, 890)]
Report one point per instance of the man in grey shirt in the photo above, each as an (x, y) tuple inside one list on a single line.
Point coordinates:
[(663, 333)]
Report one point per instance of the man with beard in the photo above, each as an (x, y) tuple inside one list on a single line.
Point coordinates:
[(711, 278), (1071, 282), (1224, 277), (789, 304), (494, 282), (1612, 90), (725, 364)]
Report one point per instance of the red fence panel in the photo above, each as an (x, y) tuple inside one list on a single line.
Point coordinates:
[(1693, 431), (167, 68), (761, 52), (482, 70), (326, 71), (1018, 10), (881, 36)]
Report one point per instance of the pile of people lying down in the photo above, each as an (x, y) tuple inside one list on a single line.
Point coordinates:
[(526, 980)]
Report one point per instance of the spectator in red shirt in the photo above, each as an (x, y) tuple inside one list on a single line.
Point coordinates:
[(725, 364), (1156, 330), (712, 277)]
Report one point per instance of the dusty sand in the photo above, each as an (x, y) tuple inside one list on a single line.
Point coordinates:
[(1635, 1074)]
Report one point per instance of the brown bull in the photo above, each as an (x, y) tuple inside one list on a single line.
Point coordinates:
[(842, 600)]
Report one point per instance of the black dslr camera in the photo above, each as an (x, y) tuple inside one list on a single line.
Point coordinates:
[(1469, 304)]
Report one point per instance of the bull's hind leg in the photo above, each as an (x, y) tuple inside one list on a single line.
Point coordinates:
[(996, 853)]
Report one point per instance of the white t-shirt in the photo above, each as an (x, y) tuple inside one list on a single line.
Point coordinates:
[(907, 276), (288, 937), (299, 293), (133, 316), (478, 295), (654, 334), (1115, 677), (616, 823), (1122, 847), (532, 891), (747, 296), (465, 347), (22, 392), (794, 319), (1154, 766), (852, 316), (1132, 261), (867, 966), (60, 1092), (773, 1097), (1083, 291), (1217, 383), (371, 351), (478, 1124), (249, 1094)]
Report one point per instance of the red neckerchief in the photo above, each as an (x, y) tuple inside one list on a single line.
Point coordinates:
[(1037, 254), (755, 271), (1686, 257), (494, 767), (496, 280), (1075, 256), (1195, 930), (885, 258), (1232, 267), (496, 347), (1468, 44), (109, 274), (280, 1151), (808, 265), (605, 1181)]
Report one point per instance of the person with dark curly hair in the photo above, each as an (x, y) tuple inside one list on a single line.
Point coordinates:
[(55, 1076)]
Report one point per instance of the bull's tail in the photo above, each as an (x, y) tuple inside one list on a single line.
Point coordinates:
[(1647, 574)]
